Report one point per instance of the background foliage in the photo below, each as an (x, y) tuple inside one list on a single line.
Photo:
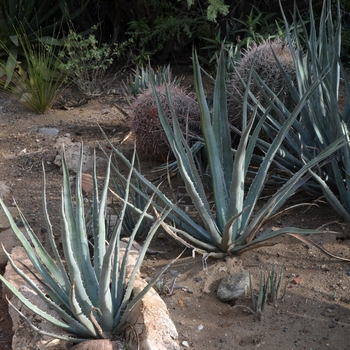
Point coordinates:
[(154, 29)]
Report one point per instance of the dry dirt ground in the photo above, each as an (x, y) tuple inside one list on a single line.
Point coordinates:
[(313, 310)]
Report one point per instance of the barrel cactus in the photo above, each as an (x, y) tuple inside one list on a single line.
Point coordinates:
[(147, 128), (261, 57)]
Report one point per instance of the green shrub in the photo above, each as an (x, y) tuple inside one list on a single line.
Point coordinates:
[(37, 81), (87, 62)]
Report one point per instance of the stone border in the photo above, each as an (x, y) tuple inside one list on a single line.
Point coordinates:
[(150, 317)]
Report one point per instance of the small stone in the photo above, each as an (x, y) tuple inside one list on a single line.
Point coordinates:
[(185, 343), (49, 131), (200, 327), (297, 280), (190, 291), (198, 279), (348, 272), (233, 286), (174, 273)]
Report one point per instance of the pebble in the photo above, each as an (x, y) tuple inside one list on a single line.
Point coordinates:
[(348, 272), (185, 343), (200, 327), (49, 131), (233, 286)]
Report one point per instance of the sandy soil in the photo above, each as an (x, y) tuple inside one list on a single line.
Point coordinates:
[(313, 310)]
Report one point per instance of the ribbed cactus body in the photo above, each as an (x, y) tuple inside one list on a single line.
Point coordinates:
[(145, 124), (261, 57)]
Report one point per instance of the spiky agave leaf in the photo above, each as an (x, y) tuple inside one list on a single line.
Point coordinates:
[(91, 301), (232, 228)]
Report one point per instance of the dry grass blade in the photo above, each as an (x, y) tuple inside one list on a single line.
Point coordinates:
[(309, 242), (4, 190)]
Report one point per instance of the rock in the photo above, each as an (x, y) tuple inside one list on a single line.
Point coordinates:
[(17, 253), (4, 223), (72, 153), (9, 240), (233, 286), (150, 318), (49, 131), (99, 344), (26, 339), (297, 280)]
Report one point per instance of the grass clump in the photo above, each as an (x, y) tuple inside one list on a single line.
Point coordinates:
[(37, 81)]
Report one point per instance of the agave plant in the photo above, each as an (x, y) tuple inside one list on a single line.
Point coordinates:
[(140, 80), (322, 120), (235, 224), (90, 289)]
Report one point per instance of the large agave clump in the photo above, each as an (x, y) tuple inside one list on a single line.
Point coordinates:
[(147, 128), (261, 58)]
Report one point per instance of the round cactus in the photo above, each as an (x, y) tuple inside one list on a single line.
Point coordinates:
[(261, 57), (147, 128)]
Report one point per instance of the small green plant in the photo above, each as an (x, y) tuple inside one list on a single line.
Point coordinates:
[(37, 81), (140, 80), (87, 61), (269, 288), (90, 287)]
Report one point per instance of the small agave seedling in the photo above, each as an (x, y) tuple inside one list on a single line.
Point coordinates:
[(269, 288), (140, 80), (90, 289)]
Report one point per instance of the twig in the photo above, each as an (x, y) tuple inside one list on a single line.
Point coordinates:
[(308, 241)]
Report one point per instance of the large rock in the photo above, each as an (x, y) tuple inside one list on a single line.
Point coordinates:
[(233, 286), (7, 238), (4, 222), (72, 154), (24, 338)]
